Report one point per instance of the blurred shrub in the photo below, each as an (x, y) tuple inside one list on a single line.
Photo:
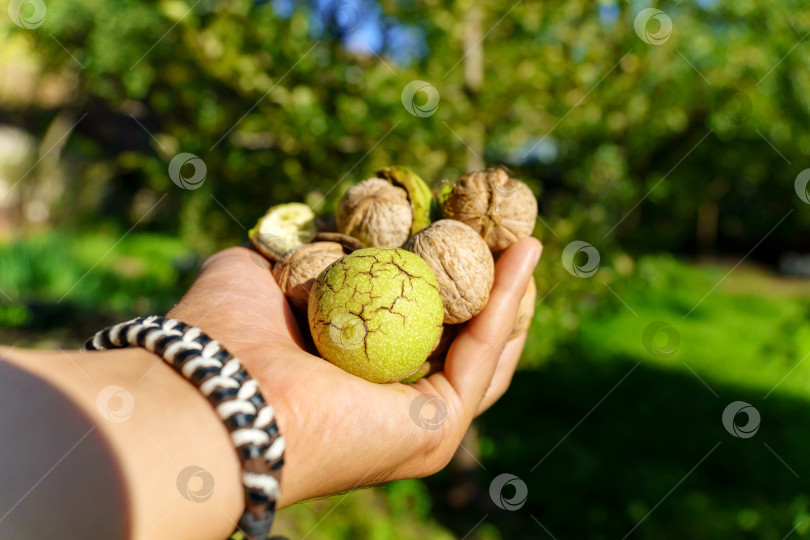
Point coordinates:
[(54, 278), (281, 104)]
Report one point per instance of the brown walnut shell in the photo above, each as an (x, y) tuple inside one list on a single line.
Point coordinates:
[(349, 243), (376, 213), (501, 209), (462, 263), (299, 267)]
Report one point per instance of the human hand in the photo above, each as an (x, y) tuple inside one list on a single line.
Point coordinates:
[(341, 431)]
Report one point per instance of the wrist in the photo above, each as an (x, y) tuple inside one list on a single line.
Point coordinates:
[(156, 425), (235, 396)]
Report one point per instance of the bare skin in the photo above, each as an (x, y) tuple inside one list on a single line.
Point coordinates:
[(342, 432)]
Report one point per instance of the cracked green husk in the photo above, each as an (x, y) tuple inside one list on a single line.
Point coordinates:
[(376, 313)]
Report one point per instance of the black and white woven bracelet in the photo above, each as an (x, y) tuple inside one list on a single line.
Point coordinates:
[(235, 397)]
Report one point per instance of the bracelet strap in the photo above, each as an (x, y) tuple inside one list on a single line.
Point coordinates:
[(231, 391)]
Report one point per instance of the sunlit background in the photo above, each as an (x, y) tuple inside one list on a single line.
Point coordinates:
[(669, 139)]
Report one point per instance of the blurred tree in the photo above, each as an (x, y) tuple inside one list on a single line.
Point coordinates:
[(680, 129)]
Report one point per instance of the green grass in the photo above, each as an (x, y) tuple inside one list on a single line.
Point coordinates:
[(746, 337), (610, 454), (65, 285), (605, 433), (398, 510)]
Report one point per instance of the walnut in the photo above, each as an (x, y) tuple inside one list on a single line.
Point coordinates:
[(501, 209), (349, 243), (376, 213), (525, 310), (299, 267), (419, 194), (281, 228), (435, 362), (462, 263)]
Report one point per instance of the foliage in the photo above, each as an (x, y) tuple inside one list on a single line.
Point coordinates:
[(631, 147), (591, 115)]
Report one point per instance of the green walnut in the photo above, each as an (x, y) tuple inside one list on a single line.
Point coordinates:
[(376, 313)]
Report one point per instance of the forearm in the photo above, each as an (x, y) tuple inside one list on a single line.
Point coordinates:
[(143, 443)]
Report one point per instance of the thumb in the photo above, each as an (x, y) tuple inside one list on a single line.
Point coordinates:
[(472, 358)]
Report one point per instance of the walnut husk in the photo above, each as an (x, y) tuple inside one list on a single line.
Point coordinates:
[(299, 267), (435, 362), (501, 209), (525, 310), (376, 213), (463, 265)]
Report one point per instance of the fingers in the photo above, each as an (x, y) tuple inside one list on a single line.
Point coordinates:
[(236, 298), (236, 257), (504, 372), (474, 354)]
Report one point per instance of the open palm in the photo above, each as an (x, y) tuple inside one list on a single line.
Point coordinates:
[(343, 432)]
